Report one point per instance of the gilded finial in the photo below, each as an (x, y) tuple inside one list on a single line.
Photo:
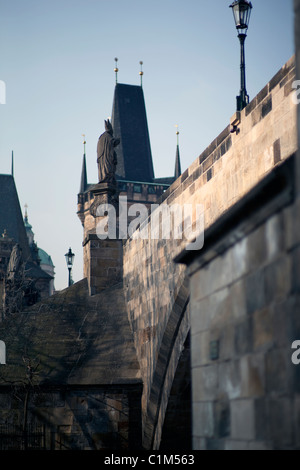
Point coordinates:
[(177, 133), (116, 70), (141, 72), (84, 142)]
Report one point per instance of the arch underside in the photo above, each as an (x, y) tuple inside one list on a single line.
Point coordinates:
[(172, 372)]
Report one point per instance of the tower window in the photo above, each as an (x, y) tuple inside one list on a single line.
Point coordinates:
[(137, 188)]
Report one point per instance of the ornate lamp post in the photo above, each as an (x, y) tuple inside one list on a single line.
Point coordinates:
[(70, 259), (241, 13)]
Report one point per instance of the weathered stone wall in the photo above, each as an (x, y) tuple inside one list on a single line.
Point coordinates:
[(103, 263), (95, 419), (233, 164), (245, 304)]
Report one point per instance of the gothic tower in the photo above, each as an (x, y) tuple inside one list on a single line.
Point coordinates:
[(134, 176)]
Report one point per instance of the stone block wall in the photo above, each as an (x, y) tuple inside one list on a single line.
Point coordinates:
[(103, 263), (245, 304), (224, 172), (153, 293)]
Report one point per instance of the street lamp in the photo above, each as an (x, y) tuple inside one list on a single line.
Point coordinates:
[(70, 259), (241, 13)]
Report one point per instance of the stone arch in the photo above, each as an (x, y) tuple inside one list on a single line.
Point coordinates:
[(177, 428), (171, 348)]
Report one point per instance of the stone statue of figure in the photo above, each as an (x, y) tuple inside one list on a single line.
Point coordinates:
[(15, 262), (106, 155)]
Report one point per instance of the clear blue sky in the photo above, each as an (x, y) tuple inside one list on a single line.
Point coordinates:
[(57, 60)]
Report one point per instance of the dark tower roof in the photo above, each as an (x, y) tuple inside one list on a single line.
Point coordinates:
[(83, 181), (129, 121), (177, 172), (11, 218)]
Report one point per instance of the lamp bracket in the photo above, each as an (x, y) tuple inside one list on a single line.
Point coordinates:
[(234, 122)]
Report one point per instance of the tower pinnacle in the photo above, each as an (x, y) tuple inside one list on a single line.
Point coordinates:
[(177, 172), (84, 142), (177, 133), (83, 181), (116, 70), (26, 214), (141, 72)]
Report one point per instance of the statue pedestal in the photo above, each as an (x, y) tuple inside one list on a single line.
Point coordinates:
[(103, 258), (104, 193)]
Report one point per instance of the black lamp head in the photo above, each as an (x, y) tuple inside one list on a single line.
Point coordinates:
[(69, 258), (241, 12)]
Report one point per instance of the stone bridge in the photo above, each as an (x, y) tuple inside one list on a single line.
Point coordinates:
[(117, 350), (256, 140)]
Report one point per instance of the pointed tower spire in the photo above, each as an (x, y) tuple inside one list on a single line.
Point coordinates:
[(12, 163), (28, 228), (26, 214), (177, 172), (83, 181), (129, 122)]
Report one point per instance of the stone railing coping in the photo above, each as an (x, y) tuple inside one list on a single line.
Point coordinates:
[(282, 78), (222, 143), (276, 188)]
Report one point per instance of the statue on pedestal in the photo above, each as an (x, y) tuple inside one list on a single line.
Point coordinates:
[(15, 263), (106, 155)]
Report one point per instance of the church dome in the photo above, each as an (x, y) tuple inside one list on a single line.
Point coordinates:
[(45, 258)]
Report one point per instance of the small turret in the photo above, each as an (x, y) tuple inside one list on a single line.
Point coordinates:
[(83, 181), (177, 172)]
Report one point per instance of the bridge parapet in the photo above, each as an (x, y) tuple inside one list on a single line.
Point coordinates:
[(258, 139)]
